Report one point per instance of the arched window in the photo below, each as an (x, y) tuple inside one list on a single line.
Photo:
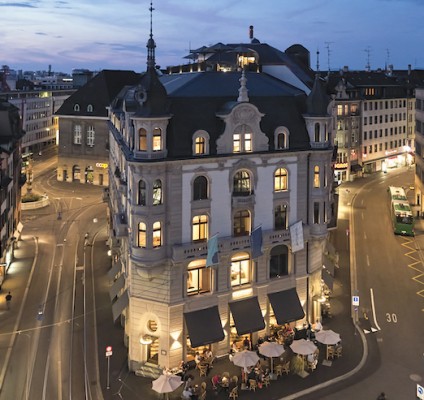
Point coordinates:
[(76, 107), (317, 182), (280, 180), (200, 145), (142, 188), (240, 269), (157, 139), (281, 138), (200, 188), (90, 108), (241, 184), (200, 228), (157, 192), (280, 217), (199, 278), (142, 139), (241, 223), (317, 132), (141, 240), (157, 234), (279, 261)]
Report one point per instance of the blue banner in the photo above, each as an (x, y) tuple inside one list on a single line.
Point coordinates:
[(256, 242), (212, 258)]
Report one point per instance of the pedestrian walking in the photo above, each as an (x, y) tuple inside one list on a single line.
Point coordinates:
[(8, 300), (382, 396)]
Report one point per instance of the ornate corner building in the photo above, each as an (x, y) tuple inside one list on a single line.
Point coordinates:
[(208, 153)]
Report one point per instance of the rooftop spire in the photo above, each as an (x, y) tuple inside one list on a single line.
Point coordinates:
[(243, 89), (151, 45)]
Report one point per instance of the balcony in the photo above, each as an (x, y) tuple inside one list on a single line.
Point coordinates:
[(243, 201), (120, 225)]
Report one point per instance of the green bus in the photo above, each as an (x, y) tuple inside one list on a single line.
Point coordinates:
[(401, 212)]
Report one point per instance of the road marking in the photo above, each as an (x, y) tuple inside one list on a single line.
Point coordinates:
[(368, 261), (373, 310), (365, 236)]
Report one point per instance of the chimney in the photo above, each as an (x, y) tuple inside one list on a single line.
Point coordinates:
[(409, 69), (251, 32)]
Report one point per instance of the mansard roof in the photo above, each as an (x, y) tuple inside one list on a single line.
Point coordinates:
[(98, 92)]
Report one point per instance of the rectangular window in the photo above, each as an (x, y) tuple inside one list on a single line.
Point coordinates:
[(240, 272), (200, 228), (339, 109), (316, 213), (247, 142), (199, 280), (90, 136), (236, 143), (77, 134)]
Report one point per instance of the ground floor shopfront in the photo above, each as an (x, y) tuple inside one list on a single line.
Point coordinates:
[(71, 169), (161, 334)]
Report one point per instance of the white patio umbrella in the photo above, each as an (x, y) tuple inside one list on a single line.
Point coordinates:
[(245, 358), (271, 349), (327, 337), (303, 347), (166, 383)]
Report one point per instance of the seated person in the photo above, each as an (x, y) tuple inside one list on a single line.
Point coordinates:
[(208, 354), (318, 325), (216, 381), (225, 382), (187, 393), (198, 358)]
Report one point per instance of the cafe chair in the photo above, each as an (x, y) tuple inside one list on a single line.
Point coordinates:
[(234, 379), (203, 370), (253, 384), (330, 353), (203, 387), (338, 352), (234, 393), (266, 381), (202, 396)]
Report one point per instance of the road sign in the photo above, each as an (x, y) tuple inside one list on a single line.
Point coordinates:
[(355, 301), (420, 391), (108, 351)]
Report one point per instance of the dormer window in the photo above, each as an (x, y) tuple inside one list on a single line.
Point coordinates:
[(76, 107), (90, 108), (200, 143), (281, 138), (242, 139)]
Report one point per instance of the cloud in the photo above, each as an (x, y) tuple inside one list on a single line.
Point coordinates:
[(41, 33), (22, 5)]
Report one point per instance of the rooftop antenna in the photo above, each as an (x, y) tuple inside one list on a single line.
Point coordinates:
[(317, 60), (151, 43), (387, 58), (368, 65), (327, 46)]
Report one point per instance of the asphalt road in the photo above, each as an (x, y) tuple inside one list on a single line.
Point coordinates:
[(391, 307)]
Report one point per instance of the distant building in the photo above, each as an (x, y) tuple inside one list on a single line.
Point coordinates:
[(221, 200), (419, 150), (83, 128), (11, 134)]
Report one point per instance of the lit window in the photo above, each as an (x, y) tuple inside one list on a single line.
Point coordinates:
[(77, 134), (90, 136), (142, 235), (248, 142), (280, 217), (242, 184), (157, 139), (280, 180), (142, 192), (200, 188), (240, 269), (236, 143), (200, 145), (142, 140), (157, 234), (199, 278), (317, 182), (157, 192), (339, 109), (241, 223), (200, 228)]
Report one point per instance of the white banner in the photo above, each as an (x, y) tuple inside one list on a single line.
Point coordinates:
[(296, 236)]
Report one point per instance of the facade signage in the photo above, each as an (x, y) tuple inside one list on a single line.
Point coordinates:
[(420, 391), (340, 165), (101, 165), (355, 301)]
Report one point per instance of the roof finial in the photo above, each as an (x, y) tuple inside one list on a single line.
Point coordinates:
[(151, 45), (243, 89)]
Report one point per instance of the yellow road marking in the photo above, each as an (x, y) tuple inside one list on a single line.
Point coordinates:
[(416, 264)]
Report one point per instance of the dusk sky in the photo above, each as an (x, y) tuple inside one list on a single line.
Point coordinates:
[(111, 34)]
